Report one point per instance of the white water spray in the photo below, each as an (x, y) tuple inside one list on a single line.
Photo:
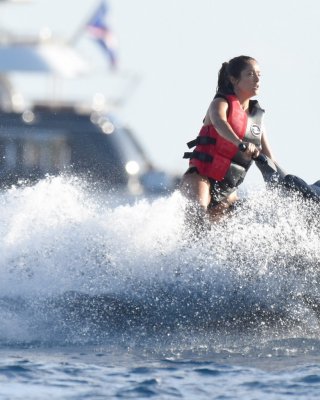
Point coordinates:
[(59, 237)]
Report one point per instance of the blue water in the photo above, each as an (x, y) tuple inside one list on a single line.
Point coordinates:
[(102, 300)]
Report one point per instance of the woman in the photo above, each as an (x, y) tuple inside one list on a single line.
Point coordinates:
[(231, 136)]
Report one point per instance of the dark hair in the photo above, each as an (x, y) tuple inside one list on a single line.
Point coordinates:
[(232, 68)]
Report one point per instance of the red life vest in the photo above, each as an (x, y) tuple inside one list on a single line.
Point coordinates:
[(213, 156)]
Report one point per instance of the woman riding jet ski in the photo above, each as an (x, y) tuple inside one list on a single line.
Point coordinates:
[(231, 136)]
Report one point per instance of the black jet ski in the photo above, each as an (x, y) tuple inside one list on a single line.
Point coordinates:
[(275, 176)]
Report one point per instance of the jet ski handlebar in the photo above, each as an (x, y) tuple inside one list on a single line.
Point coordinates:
[(261, 158)]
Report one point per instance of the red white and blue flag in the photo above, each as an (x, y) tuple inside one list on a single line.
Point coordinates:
[(98, 28)]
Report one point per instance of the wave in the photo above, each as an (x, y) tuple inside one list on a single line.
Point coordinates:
[(77, 267)]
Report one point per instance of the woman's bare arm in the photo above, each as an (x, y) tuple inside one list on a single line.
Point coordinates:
[(218, 117), (217, 114)]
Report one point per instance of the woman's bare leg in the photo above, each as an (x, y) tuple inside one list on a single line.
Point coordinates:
[(196, 188), (220, 211)]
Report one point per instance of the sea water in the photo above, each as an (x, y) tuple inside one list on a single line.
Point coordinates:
[(104, 298)]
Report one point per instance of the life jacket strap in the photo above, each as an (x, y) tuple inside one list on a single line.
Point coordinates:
[(201, 140), (199, 156)]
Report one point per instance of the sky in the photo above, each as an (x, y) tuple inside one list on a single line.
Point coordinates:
[(169, 54)]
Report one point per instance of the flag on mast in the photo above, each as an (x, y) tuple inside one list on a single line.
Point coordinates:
[(99, 29)]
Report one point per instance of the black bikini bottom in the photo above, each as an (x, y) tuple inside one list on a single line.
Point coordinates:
[(219, 190)]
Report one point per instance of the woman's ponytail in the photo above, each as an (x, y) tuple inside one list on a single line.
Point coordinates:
[(224, 84)]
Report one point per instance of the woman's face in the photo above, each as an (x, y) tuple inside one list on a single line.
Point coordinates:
[(249, 82)]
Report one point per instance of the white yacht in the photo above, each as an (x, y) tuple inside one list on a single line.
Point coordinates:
[(53, 137)]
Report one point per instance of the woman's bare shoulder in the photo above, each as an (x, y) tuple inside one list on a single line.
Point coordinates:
[(217, 107), (219, 102)]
